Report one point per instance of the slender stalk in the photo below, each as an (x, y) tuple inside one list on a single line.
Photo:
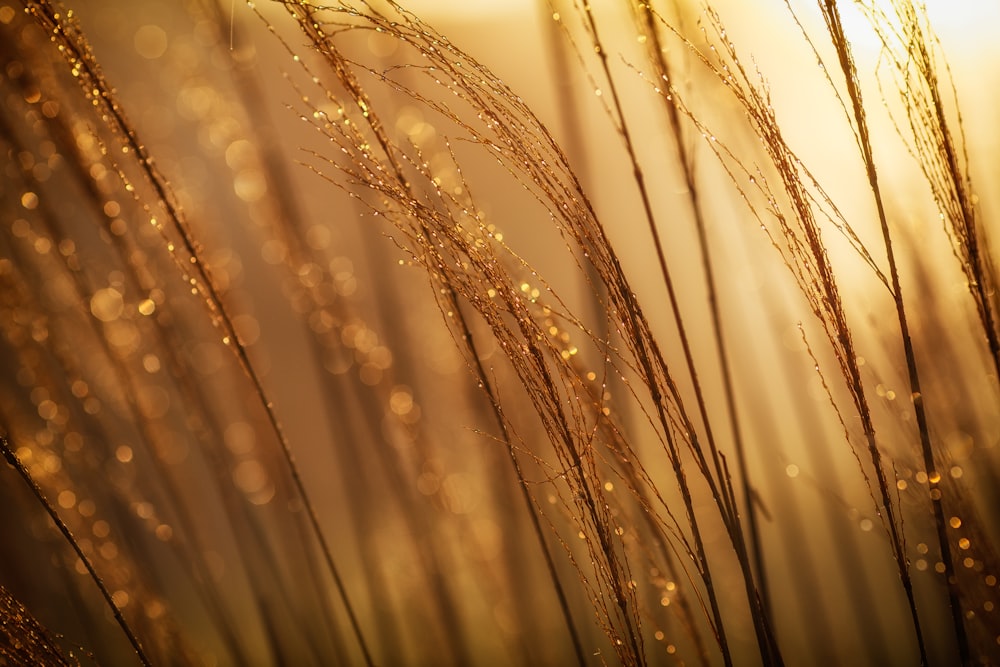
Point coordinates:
[(341, 67), (686, 162), (955, 193), (77, 54), (536, 524), (64, 529), (831, 15), (765, 639)]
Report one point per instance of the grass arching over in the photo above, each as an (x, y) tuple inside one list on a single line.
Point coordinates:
[(230, 383)]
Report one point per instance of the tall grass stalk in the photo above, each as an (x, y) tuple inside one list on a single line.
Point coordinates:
[(831, 16), (74, 49), (660, 422), (43, 501)]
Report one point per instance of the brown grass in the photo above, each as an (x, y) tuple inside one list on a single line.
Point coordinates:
[(605, 455)]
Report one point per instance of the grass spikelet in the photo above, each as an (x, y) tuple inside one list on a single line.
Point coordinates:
[(609, 333)]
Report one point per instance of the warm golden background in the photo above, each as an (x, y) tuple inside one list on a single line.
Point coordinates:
[(323, 353)]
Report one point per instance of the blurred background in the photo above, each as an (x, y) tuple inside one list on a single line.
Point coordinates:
[(184, 265)]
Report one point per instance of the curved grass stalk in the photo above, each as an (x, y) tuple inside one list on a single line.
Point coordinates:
[(341, 67), (810, 264), (424, 231), (478, 88), (646, 22), (288, 226), (170, 342), (939, 148), (572, 127), (831, 15), (575, 142), (620, 483), (723, 497), (74, 49), (84, 293)]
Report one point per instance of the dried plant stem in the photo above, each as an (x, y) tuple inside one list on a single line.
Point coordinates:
[(536, 524), (289, 227), (954, 190), (340, 66), (657, 55), (766, 642), (170, 341), (811, 265), (76, 53), (831, 15), (569, 115), (466, 340), (64, 529), (575, 143), (84, 293)]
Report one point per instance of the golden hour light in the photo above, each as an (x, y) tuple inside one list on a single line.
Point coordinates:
[(499, 333)]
